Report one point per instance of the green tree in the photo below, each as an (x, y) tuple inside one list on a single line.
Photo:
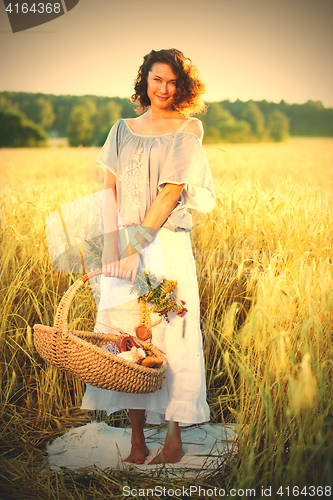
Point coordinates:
[(221, 126), (6, 104), (38, 108), (80, 129), (107, 115), (45, 112), (16, 131), (278, 126), (253, 115), (216, 114), (236, 131), (89, 103), (212, 135)]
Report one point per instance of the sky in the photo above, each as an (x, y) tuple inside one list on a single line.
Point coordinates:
[(245, 49)]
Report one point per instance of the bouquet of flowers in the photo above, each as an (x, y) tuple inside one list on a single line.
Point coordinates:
[(158, 291)]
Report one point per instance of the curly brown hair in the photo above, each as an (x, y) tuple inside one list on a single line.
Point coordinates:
[(189, 87)]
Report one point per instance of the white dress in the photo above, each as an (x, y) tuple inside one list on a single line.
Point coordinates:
[(143, 165)]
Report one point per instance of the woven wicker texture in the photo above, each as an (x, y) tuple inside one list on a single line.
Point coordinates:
[(81, 352)]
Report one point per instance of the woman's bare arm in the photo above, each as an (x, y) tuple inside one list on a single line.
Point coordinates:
[(162, 206)]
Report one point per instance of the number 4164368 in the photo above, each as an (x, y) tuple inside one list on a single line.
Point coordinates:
[(36, 8), (311, 491)]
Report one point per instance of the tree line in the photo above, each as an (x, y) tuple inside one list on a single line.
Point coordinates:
[(28, 119)]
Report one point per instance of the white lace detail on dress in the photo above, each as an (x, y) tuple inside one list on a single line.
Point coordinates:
[(133, 182)]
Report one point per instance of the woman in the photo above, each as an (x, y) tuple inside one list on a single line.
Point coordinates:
[(155, 168)]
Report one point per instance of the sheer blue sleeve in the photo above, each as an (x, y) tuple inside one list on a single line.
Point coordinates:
[(108, 156), (187, 163)]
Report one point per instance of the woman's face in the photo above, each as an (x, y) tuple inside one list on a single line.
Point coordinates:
[(161, 85)]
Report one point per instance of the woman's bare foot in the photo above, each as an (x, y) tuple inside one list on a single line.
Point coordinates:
[(172, 451), (138, 454), (168, 456)]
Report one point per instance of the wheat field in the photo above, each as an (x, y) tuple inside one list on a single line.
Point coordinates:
[(264, 265)]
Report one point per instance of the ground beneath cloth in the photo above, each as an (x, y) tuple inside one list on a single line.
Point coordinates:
[(97, 444)]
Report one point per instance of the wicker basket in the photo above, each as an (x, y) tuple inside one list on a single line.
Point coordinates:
[(81, 353)]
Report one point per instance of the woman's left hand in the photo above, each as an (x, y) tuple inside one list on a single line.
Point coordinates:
[(129, 263)]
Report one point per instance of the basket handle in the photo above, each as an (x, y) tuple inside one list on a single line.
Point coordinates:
[(61, 317)]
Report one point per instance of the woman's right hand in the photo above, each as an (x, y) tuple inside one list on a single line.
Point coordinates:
[(110, 259)]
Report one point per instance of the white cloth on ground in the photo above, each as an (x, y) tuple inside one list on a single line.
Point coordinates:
[(97, 444)]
